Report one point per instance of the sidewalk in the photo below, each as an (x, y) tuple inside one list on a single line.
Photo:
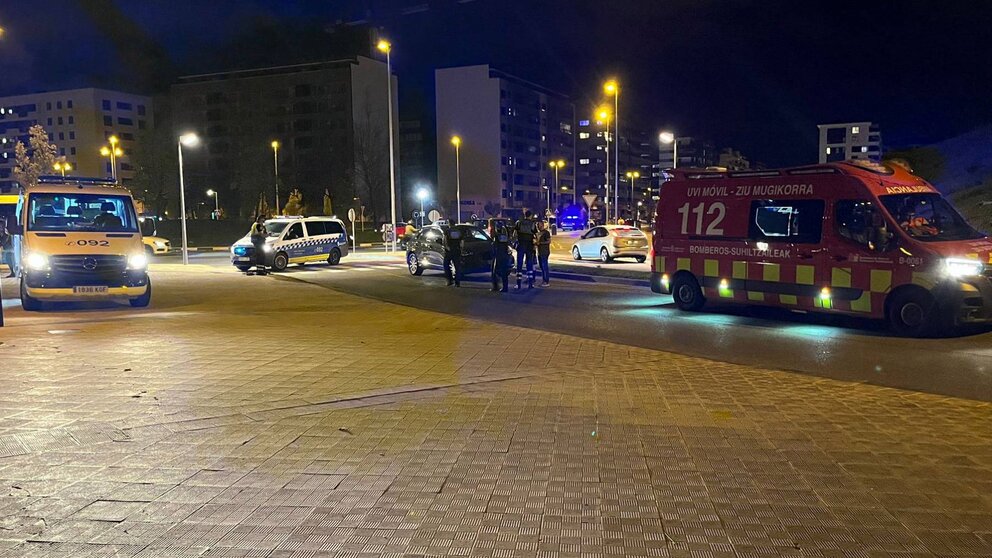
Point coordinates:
[(304, 422)]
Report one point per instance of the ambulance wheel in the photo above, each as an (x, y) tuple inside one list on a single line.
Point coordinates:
[(413, 264), (604, 256), (334, 258), (280, 262), (686, 292), (143, 300), (575, 253), (28, 303), (641, 259), (913, 313)]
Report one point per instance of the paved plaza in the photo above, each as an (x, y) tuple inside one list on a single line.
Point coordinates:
[(263, 416)]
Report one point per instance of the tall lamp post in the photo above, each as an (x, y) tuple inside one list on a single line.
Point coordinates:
[(612, 88), (559, 164), (112, 151), (275, 165), (604, 115), (216, 197), (189, 140), (457, 142), (62, 167), (421, 196), (669, 138), (633, 176), (385, 47)]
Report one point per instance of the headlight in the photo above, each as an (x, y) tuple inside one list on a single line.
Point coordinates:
[(36, 261), (159, 244), (267, 248), (960, 267), (137, 261)]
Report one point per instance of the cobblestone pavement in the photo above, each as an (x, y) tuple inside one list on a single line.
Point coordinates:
[(328, 425)]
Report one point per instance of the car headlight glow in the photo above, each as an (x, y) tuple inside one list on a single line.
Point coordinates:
[(267, 248), (160, 244), (137, 261), (961, 267), (36, 261)]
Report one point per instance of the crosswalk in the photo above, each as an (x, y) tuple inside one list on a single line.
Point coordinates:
[(362, 267)]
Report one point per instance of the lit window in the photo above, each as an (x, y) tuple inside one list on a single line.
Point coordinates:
[(864, 149), (583, 161), (828, 151), (583, 122), (583, 135), (855, 129)]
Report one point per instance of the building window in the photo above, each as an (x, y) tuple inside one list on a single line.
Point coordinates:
[(583, 135), (106, 104), (864, 149), (60, 121), (58, 105), (141, 110), (72, 150), (72, 120), (125, 121), (48, 106), (72, 135), (108, 120), (583, 161), (836, 135), (68, 103), (124, 106), (62, 137), (583, 122), (49, 121), (62, 151), (141, 124), (855, 129)]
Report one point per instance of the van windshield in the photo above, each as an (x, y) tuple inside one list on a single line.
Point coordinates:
[(81, 213), (275, 228), (929, 217)]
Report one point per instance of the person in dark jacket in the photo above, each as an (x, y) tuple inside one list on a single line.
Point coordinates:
[(543, 243), (502, 264), (7, 248), (524, 232), (453, 256), (258, 235)]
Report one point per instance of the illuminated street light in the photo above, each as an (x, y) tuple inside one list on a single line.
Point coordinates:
[(62, 166), (457, 142), (559, 164), (189, 140), (213, 193), (612, 88), (603, 114), (386, 47), (275, 165), (422, 194), (112, 151), (669, 138), (633, 176)]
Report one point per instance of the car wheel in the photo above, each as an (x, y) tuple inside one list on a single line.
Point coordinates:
[(913, 313), (576, 255), (413, 264), (334, 258), (28, 303), (641, 259), (687, 294), (604, 255), (280, 262), (143, 300)]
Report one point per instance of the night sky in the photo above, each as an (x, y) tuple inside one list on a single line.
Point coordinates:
[(755, 75)]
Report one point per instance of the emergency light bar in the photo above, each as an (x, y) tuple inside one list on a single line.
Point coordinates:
[(78, 180)]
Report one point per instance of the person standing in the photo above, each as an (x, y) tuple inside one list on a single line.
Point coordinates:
[(7, 248), (543, 242), (501, 260), (258, 235), (453, 256), (524, 232)]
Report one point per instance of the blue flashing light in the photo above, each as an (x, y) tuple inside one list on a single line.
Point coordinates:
[(240, 250)]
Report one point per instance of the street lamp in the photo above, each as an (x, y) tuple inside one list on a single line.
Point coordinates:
[(213, 193), (385, 47), (669, 138), (422, 194), (457, 142), (612, 88), (603, 113), (189, 140), (112, 151), (62, 166), (275, 165), (559, 164), (633, 176)]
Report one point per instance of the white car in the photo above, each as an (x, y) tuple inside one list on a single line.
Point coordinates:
[(612, 241)]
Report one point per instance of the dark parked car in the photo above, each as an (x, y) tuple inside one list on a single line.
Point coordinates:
[(426, 251)]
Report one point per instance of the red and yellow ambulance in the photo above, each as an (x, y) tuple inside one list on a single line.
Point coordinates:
[(858, 238)]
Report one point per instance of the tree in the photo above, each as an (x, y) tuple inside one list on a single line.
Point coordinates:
[(370, 177), (328, 207), (294, 206), (38, 160)]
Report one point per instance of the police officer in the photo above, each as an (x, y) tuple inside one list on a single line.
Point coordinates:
[(524, 232), (258, 235), (501, 259), (453, 256)]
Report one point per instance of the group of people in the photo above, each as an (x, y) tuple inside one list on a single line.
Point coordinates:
[(529, 236)]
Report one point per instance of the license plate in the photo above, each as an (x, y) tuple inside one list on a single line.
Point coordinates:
[(242, 259), (89, 290)]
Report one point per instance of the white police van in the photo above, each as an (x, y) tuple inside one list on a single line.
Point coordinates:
[(295, 240)]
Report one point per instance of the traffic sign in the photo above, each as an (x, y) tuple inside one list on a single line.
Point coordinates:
[(351, 214), (589, 198), (434, 215)]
